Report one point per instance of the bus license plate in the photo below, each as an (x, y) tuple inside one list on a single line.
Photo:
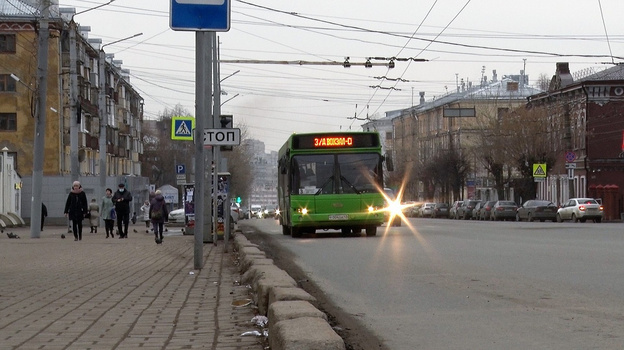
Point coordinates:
[(339, 217)]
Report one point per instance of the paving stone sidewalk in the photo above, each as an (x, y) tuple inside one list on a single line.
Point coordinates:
[(113, 293)]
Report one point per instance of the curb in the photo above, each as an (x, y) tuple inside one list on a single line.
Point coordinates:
[(294, 321)]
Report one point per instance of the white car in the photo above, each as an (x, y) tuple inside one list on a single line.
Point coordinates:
[(426, 210), (580, 209), (177, 216)]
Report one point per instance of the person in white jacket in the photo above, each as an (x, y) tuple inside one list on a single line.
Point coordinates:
[(145, 215)]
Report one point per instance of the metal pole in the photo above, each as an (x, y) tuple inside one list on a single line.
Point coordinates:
[(215, 149), (40, 121), (202, 97), (217, 115)]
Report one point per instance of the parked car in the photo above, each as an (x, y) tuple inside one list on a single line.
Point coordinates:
[(408, 208), (476, 212), (504, 210), (581, 209), (536, 209), (426, 210), (441, 210), (485, 213), (453, 209), (465, 210)]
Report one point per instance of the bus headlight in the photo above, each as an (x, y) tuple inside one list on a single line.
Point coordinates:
[(303, 211)]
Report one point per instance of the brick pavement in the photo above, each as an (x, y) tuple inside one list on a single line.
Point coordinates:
[(110, 293)]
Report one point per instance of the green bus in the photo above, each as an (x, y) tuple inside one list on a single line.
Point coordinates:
[(331, 181)]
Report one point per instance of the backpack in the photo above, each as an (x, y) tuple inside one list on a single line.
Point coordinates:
[(157, 212)]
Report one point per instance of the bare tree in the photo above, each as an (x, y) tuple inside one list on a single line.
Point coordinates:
[(543, 82)]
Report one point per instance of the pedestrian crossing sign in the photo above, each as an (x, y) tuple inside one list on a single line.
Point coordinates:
[(539, 170), (182, 128)]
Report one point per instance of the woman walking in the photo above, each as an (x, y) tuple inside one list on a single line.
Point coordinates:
[(76, 209), (108, 213), (158, 213), (94, 215)]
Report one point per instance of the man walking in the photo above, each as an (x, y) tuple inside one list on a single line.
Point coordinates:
[(121, 199)]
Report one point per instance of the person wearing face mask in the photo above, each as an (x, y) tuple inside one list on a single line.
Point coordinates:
[(121, 199), (76, 209)]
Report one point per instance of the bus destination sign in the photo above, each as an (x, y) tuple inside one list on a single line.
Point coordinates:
[(333, 141), (347, 140)]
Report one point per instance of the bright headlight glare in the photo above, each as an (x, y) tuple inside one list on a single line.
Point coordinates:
[(371, 209)]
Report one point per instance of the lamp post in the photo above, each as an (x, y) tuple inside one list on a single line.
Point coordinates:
[(102, 109)]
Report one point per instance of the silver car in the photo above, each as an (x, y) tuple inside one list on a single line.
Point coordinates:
[(580, 209)]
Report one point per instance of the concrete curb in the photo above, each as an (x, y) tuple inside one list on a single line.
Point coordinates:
[(294, 321)]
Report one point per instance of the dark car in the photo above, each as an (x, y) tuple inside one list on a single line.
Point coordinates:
[(441, 210), (465, 211), (536, 209), (504, 210), (485, 213)]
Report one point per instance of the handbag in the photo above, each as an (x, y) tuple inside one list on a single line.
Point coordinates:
[(113, 214)]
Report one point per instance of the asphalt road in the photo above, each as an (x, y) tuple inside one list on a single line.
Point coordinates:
[(447, 284)]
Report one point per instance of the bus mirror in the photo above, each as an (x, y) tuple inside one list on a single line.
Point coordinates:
[(282, 166), (389, 162)]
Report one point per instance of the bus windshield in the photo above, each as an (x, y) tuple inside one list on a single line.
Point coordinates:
[(336, 173)]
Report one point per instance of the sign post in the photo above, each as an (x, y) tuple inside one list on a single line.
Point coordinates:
[(204, 17)]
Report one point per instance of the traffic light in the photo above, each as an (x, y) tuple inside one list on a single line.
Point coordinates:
[(226, 122), (238, 200)]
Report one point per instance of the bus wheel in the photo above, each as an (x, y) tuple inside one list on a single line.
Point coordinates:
[(371, 231), (295, 232), (285, 230)]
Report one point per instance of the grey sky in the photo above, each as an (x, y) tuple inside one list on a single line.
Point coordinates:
[(461, 39)]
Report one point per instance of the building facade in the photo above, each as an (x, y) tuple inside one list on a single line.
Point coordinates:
[(77, 124), (587, 117)]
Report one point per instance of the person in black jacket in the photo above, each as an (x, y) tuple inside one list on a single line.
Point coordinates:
[(158, 213), (76, 209), (44, 214), (121, 199)]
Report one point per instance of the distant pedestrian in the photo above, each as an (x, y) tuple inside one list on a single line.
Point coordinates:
[(108, 213), (122, 199), (145, 215), (134, 218), (94, 215), (158, 214), (44, 214), (76, 209)]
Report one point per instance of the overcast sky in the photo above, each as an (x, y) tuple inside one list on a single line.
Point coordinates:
[(460, 39)]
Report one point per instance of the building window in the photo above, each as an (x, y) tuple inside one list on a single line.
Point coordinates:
[(8, 122), (6, 83), (7, 43)]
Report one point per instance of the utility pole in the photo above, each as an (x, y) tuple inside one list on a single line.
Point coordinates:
[(40, 120), (73, 104), (202, 118)]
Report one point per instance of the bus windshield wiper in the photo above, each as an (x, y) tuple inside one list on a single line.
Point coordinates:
[(320, 190), (349, 184)]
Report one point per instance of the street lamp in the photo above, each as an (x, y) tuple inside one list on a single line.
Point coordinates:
[(102, 109)]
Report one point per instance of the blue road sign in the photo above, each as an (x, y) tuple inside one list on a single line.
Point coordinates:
[(200, 15), (180, 169), (182, 128)]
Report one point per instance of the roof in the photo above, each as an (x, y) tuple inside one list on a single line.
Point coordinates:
[(613, 73), (17, 8)]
